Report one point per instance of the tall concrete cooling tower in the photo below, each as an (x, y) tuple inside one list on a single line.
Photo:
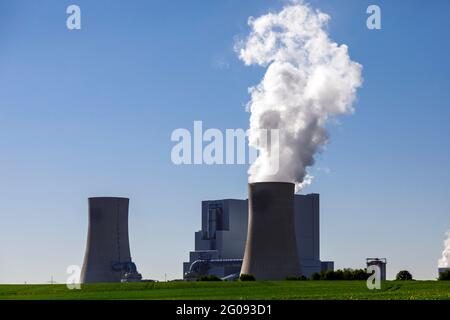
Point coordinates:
[(271, 248), (107, 257)]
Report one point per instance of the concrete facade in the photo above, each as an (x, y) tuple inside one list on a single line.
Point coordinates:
[(327, 266), (223, 234), (307, 212), (271, 248), (107, 257)]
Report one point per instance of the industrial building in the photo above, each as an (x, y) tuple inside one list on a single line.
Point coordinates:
[(107, 257), (220, 244)]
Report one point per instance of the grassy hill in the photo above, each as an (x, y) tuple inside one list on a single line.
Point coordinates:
[(234, 290)]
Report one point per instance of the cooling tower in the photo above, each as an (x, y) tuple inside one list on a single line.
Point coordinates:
[(107, 257), (271, 248)]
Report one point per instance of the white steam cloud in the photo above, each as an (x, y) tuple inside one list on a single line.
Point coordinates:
[(309, 79), (444, 262)]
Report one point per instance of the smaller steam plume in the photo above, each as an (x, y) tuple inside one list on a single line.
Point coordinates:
[(444, 262)]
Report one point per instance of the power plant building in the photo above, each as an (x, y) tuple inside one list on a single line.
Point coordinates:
[(107, 257), (220, 244), (307, 229)]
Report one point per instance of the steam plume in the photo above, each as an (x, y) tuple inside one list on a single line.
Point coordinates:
[(308, 79), (444, 262)]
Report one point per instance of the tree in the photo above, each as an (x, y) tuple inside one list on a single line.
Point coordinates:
[(404, 275), (345, 274), (295, 278), (210, 277), (315, 276), (246, 277)]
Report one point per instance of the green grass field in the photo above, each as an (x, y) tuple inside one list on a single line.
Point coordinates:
[(391, 290)]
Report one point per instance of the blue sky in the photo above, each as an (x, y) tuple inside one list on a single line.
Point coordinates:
[(90, 113)]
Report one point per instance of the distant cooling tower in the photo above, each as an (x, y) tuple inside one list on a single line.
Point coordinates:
[(107, 257), (271, 248)]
